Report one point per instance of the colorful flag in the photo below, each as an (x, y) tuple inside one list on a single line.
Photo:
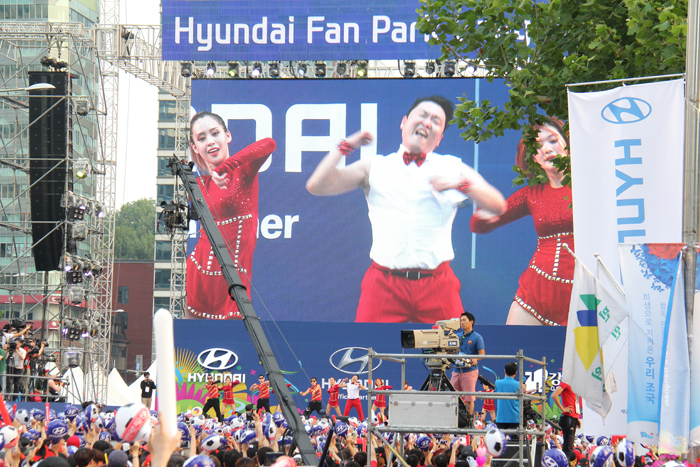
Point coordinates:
[(595, 314)]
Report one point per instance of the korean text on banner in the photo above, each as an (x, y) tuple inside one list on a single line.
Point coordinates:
[(627, 160), (595, 314), (650, 274)]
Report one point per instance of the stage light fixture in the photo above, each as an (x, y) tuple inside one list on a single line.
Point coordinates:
[(186, 69), (301, 69), (81, 168), (448, 69), (96, 208), (409, 69), (211, 69), (76, 294), (84, 328), (430, 67), (256, 72), (65, 327), (233, 69), (341, 69), (361, 70), (79, 231), (75, 206), (273, 69), (320, 69), (94, 331)]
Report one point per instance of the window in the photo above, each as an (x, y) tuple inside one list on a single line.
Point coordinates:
[(161, 302), (166, 138), (165, 193), (162, 279), (166, 111), (163, 169), (164, 251), (123, 296)]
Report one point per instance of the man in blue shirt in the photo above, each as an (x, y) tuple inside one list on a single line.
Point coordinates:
[(508, 410), (464, 377)]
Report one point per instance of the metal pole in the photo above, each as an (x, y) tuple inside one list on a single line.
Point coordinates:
[(691, 185)]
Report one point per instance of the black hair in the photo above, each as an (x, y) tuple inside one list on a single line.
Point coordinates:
[(201, 115), (262, 454), (231, 456), (360, 457), (412, 460), (469, 316), (440, 461), (447, 106), (176, 460), (511, 368), (314, 378)]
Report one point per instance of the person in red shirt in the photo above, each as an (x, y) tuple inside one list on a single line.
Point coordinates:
[(229, 402), (380, 399), (569, 419), (263, 388), (212, 402), (489, 407), (316, 399), (333, 393)]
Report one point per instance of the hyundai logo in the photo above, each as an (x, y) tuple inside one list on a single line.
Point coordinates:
[(217, 359), (343, 360), (626, 110)]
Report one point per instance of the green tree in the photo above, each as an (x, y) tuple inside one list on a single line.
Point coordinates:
[(134, 235), (571, 41)]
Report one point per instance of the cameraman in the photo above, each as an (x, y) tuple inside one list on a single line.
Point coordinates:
[(15, 366), (470, 343), (34, 353), (12, 331), (55, 387)]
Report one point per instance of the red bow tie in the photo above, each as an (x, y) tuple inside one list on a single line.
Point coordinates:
[(418, 158)]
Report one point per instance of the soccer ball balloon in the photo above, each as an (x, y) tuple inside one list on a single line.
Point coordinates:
[(212, 443), (201, 460), (625, 453), (341, 429), (424, 442), (55, 430), (602, 456), (602, 441), (495, 442), (132, 423), (23, 416), (554, 458)]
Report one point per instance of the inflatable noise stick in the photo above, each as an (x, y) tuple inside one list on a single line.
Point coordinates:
[(3, 411), (165, 355)]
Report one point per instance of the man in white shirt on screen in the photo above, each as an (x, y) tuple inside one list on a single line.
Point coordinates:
[(354, 400), (411, 210)]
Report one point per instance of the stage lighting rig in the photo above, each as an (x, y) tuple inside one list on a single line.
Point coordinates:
[(273, 69), (186, 69), (76, 294), (79, 231), (211, 69), (257, 70), (341, 69), (81, 168), (430, 67), (361, 68), (409, 69), (448, 68), (233, 69), (96, 208), (320, 69), (301, 69), (75, 206)]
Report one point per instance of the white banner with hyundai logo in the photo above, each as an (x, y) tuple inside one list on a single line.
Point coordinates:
[(627, 186)]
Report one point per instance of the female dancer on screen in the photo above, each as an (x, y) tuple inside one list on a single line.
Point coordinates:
[(544, 288), (230, 187)]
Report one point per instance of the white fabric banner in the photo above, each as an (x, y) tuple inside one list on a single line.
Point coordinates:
[(626, 168)]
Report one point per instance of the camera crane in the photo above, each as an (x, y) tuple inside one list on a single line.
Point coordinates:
[(237, 291)]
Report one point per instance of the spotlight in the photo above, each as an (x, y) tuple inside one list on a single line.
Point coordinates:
[(361, 71), (96, 269), (79, 231), (65, 327), (257, 70), (94, 331), (81, 168), (341, 69), (74, 205), (211, 69), (76, 294), (301, 70), (87, 269), (430, 67), (320, 69), (99, 210), (448, 69), (409, 69), (186, 69), (84, 328), (273, 69), (233, 69)]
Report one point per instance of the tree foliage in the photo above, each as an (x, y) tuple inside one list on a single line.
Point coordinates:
[(134, 236), (570, 41)]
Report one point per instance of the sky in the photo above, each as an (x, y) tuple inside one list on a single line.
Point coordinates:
[(137, 130)]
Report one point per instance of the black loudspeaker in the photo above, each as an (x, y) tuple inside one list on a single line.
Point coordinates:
[(48, 146)]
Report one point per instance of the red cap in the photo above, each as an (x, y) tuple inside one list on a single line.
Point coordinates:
[(73, 441)]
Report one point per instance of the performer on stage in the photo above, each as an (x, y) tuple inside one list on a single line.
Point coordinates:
[(380, 399), (263, 388), (544, 290), (333, 395), (212, 402), (354, 400), (411, 210), (316, 402), (230, 187), (229, 402)]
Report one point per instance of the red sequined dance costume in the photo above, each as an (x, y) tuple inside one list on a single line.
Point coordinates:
[(235, 210), (545, 286)]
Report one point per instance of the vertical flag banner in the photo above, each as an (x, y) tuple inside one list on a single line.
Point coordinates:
[(627, 143), (650, 273), (595, 314), (695, 373)]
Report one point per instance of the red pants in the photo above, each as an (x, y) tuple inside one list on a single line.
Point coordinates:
[(387, 298), (357, 404)]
